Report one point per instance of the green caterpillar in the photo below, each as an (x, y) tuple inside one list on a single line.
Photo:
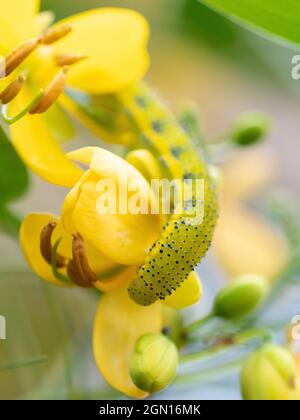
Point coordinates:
[(182, 244)]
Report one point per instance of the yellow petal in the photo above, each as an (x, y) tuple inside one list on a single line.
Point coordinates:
[(30, 233), (187, 294), (16, 21), (145, 163), (39, 149), (124, 238), (59, 124), (114, 40), (118, 276), (119, 323), (245, 243)]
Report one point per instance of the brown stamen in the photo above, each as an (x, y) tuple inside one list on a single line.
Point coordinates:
[(46, 247), (19, 54), (51, 93), (75, 276), (79, 266), (69, 59), (12, 90), (54, 34)]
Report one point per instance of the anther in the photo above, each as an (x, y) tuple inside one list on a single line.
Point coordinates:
[(78, 268), (46, 247), (51, 93), (76, 276), (54, 34), (69, 59), (19, 54), (12, 90)]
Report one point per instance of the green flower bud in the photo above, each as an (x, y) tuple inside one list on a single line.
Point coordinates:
[(269, 374), (154, 362), (239, 298), (250, 128)]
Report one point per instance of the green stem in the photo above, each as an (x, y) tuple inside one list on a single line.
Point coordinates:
[(56, 272), (23, 363), (236, 340), (203, 354), (190, 328), (11, 120), (208, 374), (246, 336)]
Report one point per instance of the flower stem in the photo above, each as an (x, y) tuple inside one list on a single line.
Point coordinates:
[(23, 363), (11, 120), (190, 328), (246, 336), (209, 374), (229, 342), (203, 354)]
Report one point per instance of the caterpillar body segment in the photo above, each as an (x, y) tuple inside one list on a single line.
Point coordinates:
[(183, 242)]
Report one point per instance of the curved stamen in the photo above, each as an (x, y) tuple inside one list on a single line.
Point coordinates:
[(54, 34), (51, 93), (75, 276), (80, 262), (12, 90), (69, 59), (46, 246), (19, 54), (11, 120)]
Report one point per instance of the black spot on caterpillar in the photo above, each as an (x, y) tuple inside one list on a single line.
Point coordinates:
[(182, 244)]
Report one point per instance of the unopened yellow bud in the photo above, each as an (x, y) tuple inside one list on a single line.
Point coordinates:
[(250, 128), (269, 374), (239, 298), (154, 363)]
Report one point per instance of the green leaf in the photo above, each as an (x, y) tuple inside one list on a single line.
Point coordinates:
[(9, 222), (275, 18), (14, 177)]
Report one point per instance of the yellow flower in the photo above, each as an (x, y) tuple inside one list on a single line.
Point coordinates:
[(98, 51), (244, 242), (93, 249)]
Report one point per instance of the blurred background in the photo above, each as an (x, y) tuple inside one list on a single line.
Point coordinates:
[(226, 70)]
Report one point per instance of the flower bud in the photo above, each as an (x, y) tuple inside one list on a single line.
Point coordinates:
[(154, 362), (250, 128), (269, 374), (239, 298)]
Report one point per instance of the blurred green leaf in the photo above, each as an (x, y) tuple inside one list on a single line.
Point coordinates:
[(14, 177), (9, 222), (279, 19)]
